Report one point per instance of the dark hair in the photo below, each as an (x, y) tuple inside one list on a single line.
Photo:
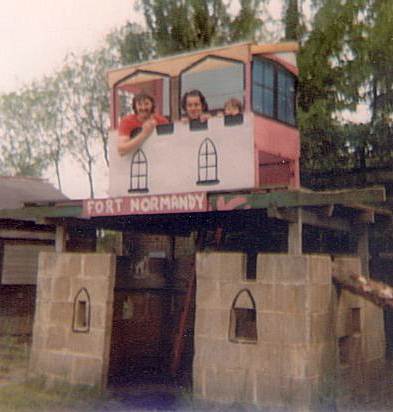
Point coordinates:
[(194, 93), (143, 96), (235, 103)]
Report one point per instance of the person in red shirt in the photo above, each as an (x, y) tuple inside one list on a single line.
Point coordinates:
[(135, 128)]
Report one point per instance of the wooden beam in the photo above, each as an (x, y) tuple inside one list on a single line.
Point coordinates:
[(24, 234), (366, 216), (295, 199), (295, 235), (61, 239), (363, 248), (311, 218)]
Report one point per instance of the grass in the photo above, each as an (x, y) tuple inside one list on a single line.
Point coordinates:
[(35, 396)]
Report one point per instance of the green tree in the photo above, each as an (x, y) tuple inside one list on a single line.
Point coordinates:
[(183, 25), (330, 80), (22, 144)]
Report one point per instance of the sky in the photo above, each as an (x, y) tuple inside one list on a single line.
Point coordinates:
[(35, 37)]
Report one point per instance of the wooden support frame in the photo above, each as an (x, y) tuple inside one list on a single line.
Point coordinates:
[(312, 218), (295, 234)]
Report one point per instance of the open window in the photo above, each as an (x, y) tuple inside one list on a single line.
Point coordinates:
[(152, 83), (218, 78), (243, 318)]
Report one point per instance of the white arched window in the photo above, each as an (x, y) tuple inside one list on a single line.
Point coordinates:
[(138, 178), (207, 163)]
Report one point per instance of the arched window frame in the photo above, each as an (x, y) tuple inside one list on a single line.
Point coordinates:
[(139, 177), (81, 297), (207, 163), (234, 320)]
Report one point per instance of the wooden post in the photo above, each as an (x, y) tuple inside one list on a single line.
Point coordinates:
[(61, 238), (363, 248), (295, 244)]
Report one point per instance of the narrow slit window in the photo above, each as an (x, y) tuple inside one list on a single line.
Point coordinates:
[(344, 349), (251, 265), (81, 312)]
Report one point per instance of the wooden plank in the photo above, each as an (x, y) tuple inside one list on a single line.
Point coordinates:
[(221, 202), (24, 234), (20, 263), (37, 212), (61, 239), (295, 235), (312, 218)]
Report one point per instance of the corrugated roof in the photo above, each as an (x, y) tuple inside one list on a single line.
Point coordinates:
[(16, 191)]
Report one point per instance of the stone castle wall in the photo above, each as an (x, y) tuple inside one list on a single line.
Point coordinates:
[(73, 318)]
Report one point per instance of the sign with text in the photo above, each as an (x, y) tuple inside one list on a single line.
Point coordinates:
[(144, 205)]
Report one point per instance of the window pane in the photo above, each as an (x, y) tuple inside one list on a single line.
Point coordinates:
[(286, 94), (263, 87)]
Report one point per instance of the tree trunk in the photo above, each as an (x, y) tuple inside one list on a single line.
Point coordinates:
[(376, 292)]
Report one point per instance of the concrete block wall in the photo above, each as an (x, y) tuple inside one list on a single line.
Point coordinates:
[(360, 337), (61, 352), (295, 338), (315, 343)]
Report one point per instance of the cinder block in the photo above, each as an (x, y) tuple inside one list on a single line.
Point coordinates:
[(57, 338), (61, 314), (91, 343), (44, 289), (373, 322), (320, 269), (229, 291), (345, 264), (322, 327), (213, 323), (198, 381), (298, 393), (280, 268), (270, 327), (225, 266), (374, 347), (290, 298), (321, 298), (87, 371), (229, 385), (99, 316), (265, 297), (47, 264), (295, 329), (56, 363), (98, 265), (280, 327), (42, 312), (269, 391), (100, 290), (61, 289), (207, 293)]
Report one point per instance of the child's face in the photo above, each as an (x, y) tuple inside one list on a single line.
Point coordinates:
[(231, 110), (193, 107)]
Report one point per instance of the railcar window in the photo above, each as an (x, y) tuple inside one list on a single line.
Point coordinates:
[(273, 91), (219, 79)]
